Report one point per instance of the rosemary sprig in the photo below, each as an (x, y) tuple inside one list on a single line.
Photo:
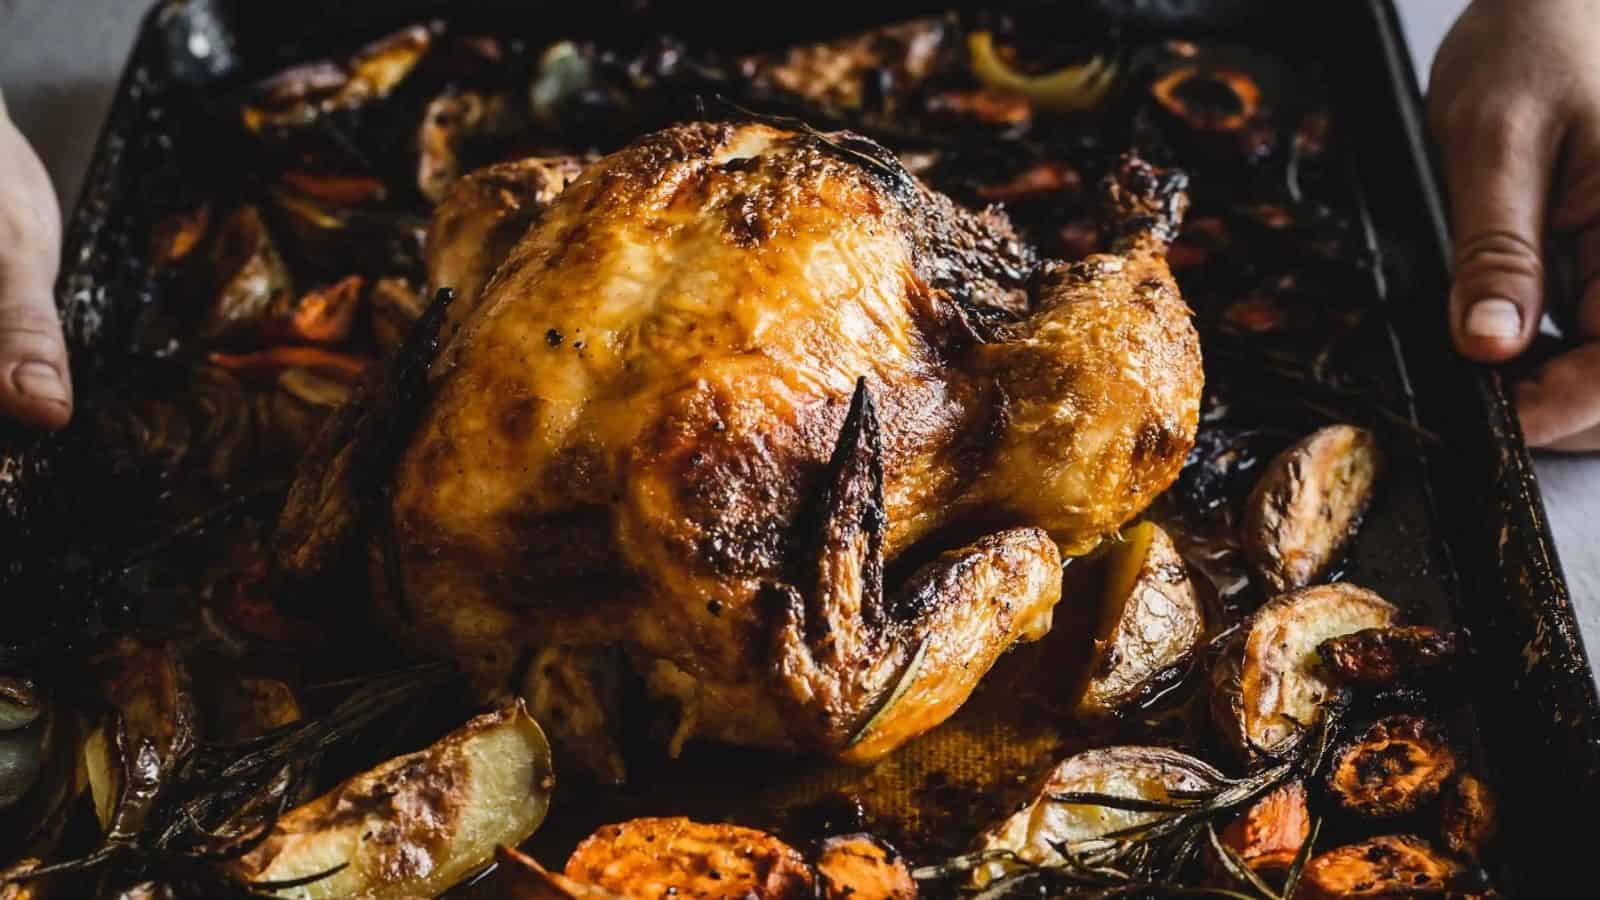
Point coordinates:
[(1148, 859)]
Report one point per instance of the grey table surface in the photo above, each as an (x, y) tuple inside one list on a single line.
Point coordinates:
[(59, 61)]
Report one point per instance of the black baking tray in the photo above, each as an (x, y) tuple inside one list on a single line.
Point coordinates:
[(1459, 531)]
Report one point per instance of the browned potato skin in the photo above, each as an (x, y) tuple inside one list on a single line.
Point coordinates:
[(657, 857), (416, 824), (1392, 866), (1273, 670), (1468, 821), (1394, 768), (1151, 621), (1270, 833), (861, 867), (1309, 503), (1380, 656)]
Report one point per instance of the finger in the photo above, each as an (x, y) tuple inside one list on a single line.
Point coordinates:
[(1561, 402), (1585, 441), (1498, 157), (35, 384)]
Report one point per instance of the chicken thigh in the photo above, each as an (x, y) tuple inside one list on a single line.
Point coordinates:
[(726, 386)]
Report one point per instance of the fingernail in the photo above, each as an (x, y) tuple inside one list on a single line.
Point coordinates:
[(42, 382), (1494, 318)]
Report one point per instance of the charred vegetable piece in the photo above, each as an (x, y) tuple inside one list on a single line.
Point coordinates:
[(130, 757), (243, 276), (297, 96), (21, 759), (653, 858), (20, 703), (323, 315), (33, 826), (861, 867), (1393, 866), (990, 105), (1042, 822), (1208, 98), (24, 889), (1046, 177), (1150, 621), (1274, 685), (873, 71), (1270, 833), (1468, 816), (1380, 656), (179, 234), (1073, 89), (1308, 504), (301, 403), (419, 823), (517, 876), (1395, 767)]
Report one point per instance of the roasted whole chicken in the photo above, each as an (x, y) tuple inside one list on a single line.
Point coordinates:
[(748, 407)]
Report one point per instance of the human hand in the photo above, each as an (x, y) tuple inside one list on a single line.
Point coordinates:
[(35, 384), (1514, 104)]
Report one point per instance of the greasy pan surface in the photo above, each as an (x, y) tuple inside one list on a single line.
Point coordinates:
[(1456, 534)]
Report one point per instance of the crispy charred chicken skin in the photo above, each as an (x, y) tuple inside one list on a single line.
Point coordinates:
[(723, 383)]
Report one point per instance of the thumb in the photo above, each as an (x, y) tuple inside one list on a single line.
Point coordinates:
[(35, 384), (1498, 163)]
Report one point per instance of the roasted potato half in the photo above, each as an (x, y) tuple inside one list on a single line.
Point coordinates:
[(1394, 768), (419, 823), (1392, 866), (663, 857), (1269, 834), (1308, 504), (862, 867), (1150, 621), (1467, 816), (1381, 656), (1041, 822), (1271, 685)]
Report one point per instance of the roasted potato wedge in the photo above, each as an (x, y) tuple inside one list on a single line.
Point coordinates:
[(1271, 685), (661, 857), (1381, 656), (1394, 768), (862, 867), (1393, 866), (419, 823), (1467, 816), (1269, 834), (1144, 773), (1150, 621), (1308, 503)]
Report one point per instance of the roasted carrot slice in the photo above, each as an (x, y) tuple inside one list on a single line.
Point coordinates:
[(1269, 834), (346, 189), (663, 857), (330, 363), (324, 315)]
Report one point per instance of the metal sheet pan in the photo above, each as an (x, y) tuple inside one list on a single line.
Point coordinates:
[(1460, 532)]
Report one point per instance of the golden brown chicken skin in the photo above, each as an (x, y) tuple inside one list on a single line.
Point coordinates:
[(728, 379)]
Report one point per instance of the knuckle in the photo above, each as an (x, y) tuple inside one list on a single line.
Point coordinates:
[(27, 330), (1500, 253)]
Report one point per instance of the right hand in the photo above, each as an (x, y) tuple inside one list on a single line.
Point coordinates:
[(35, 383), (1514, 101)]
